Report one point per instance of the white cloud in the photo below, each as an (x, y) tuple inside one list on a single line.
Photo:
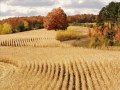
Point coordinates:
[(86, 11), (10, 8), (85, 4), (30, 3), (107, 1)]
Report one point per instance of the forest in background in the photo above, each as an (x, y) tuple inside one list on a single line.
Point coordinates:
[(19, 24)]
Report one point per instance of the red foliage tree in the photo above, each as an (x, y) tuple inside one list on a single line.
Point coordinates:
[(56, 19)]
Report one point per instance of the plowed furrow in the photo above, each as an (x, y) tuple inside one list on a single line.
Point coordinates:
[(55, 79), (88, 76), (77, 76), (106, 71), (71, 80), (42, 78), (83, 77), (99, 77), (103, 75), (61, 78), (93, 76), (46, 84)]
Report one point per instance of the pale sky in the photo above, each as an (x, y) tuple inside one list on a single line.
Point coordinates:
[(15, 8)]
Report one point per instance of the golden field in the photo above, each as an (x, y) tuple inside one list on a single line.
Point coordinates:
[(35, 60)]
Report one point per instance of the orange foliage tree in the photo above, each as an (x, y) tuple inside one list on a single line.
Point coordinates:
[(56, 19), (117, 36)]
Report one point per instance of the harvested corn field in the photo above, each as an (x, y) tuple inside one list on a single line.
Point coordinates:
[(35, 38), (56, 68)]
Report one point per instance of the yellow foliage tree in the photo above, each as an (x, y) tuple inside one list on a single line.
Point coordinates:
[(6, 29), (26, 24), (1, 28)]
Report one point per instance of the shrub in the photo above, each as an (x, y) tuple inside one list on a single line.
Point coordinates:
[(39, 26), (89, 33), (117, 43), (117, 35), (106, 36), (56, 19), (91, 25), (95, 42), (68, 35), (15, 30)]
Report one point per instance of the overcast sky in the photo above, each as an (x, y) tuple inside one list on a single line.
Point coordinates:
[(14, 8)]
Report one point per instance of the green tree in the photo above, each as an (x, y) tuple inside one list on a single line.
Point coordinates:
[(118, 17), (39, 26), (110, 12), (21, 27)]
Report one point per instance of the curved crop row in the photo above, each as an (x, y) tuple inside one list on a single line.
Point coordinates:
[(68, 74)]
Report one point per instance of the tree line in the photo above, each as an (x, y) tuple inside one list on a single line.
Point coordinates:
[(56, 19), (19, 24)]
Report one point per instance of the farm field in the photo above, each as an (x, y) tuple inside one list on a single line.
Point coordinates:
[(34, 38), (35, 60)]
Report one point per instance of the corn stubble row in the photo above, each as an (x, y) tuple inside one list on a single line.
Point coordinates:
[(33, 38), (33, 42), (24, 67), (58, 69)]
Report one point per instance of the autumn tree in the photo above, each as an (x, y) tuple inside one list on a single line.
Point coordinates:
[(82, 18), (7, 28), (20, 24), (56, 19), (26, 25), (1, 26)]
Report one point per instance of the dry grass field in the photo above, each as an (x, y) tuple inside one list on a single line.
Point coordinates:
[(35, 60)]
